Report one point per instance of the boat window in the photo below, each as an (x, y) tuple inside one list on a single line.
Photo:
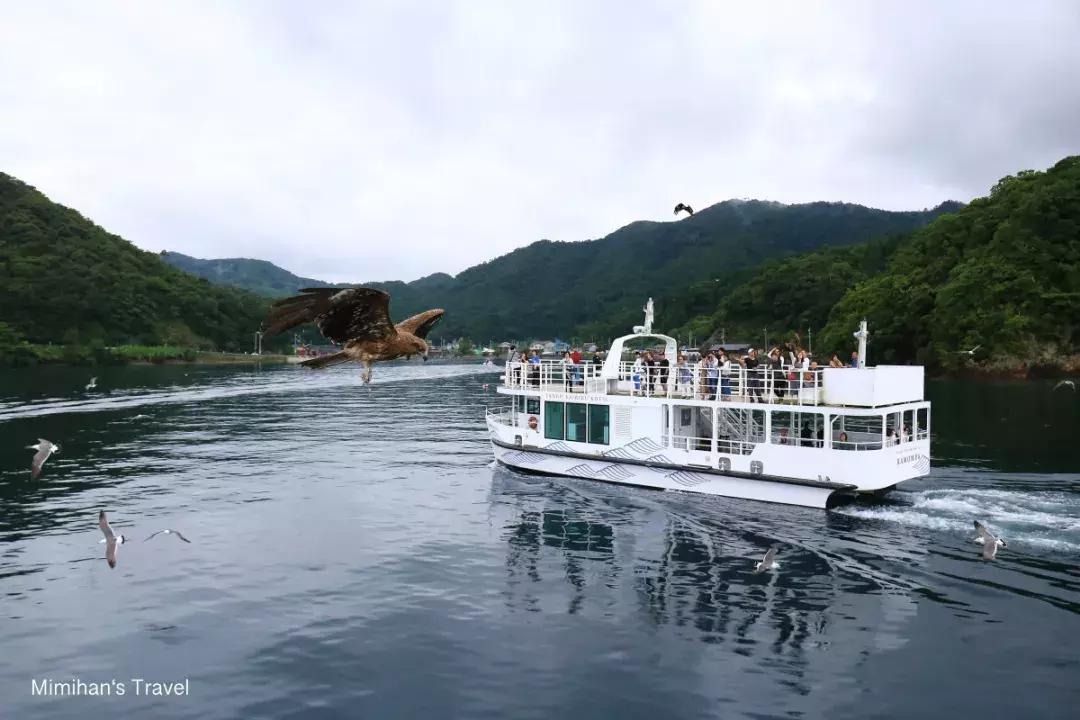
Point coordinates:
[(856, 432), (519, 403), (922, 424), (738, 428), (803, 429), (532, 405), (599, 424), (908, 427), (576, 417), (553, 420)]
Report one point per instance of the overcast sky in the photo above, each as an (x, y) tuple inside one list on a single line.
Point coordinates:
[(360, 140)]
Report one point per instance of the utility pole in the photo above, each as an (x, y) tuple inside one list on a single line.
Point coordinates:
[(810, 340), (258, 342)]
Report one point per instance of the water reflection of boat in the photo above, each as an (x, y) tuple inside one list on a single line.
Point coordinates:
[(568, 551)]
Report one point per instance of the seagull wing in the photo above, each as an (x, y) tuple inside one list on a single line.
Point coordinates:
[(341, 314), (420, 324), (987, 537), (154, 535), (39, 459), (770, 556), (989, 550), (180, 535), (688, 209), (103, 523), (110, 551), (678, 208)]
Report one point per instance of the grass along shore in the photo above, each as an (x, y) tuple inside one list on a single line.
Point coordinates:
[(33, 354)]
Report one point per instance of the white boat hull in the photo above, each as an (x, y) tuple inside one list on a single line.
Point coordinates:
[(663, 476)]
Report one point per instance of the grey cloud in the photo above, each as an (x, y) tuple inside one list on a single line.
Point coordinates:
[(391, 140)]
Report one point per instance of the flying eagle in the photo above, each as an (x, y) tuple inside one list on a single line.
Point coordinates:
[(689, 210), (359, 318)]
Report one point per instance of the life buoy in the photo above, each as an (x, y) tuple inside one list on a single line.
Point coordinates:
[(532, 422)]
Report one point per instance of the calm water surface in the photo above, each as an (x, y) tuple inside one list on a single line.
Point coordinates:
[(357, 554)]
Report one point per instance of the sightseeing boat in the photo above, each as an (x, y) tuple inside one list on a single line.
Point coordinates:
[(812, 438)]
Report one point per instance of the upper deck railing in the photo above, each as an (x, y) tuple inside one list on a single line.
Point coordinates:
[(693, 381)]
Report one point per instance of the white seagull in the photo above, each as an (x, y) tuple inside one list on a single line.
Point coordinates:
[(989, 542), (92, 384), (1066, 383), (111, 540), (768, 562), (169, 531), (968, 352), (44, 450)]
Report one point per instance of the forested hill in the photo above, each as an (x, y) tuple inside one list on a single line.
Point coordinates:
[(258, 276), (597, 287), (68, 281), (1002, 273)]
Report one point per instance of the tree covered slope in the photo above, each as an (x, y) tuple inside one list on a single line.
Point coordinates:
[(68, 281)]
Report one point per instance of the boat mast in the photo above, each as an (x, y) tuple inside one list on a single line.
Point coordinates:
[(862, 335)]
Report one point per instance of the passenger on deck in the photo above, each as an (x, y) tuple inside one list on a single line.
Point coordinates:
[(663, 368), (712, 376), (637, 370), (684, 377), (754, 371), (854, 359), (836, 362), (725, 375), (806, 437), (534, 369), (843, 439), (779, 377), (890, 437), (650, 372), (568, 370)]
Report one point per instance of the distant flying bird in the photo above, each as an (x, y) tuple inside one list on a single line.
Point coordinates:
[(169, 531), (967, 352), (1066, 383), (359, 318), (92, 384), (768, 562), (689, 210), (989, 542), (44, 450), (111, 540)]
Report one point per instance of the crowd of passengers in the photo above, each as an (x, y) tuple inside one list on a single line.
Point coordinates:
[(789, 368)]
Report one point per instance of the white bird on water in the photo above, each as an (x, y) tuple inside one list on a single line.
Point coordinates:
[(1066, 383), (112, 540), (989, 542), (92, 384), (768, 562), (968, 352), (169, 531), (44, 450)]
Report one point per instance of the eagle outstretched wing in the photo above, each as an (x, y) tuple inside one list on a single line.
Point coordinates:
[(421, 323), (341, 314)]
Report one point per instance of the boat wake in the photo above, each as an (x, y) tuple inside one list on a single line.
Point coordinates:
[(1034, 519), (283, 380)]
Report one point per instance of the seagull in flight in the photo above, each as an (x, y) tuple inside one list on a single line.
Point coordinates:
[(92, 384), (768, 562), (1066, 383), (968, 352), (44, 450), (989, 542), (111, 540), (169, 531), (680, 207)]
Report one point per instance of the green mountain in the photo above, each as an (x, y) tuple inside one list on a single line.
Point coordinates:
[(258, 276), (597, 287), (1002, 273), (68, 281)]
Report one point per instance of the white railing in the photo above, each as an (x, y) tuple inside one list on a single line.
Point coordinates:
[(694, 381)]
